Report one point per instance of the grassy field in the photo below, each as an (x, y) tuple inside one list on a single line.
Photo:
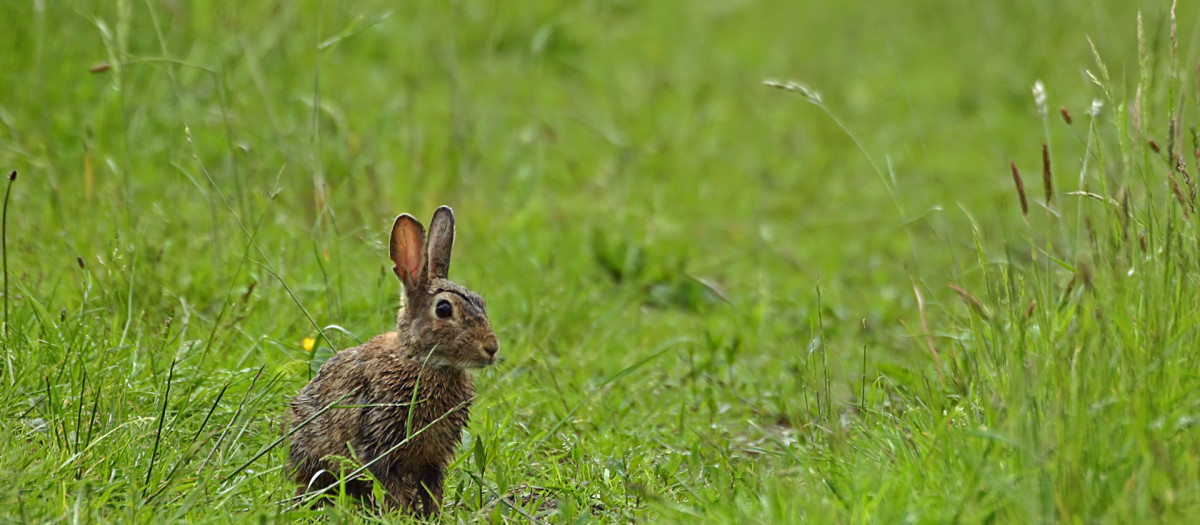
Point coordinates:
[(717, 300)]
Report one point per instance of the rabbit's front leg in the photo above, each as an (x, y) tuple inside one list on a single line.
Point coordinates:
[(429, 489)]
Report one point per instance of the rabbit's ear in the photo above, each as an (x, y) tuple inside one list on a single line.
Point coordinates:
[(407, 250), (441, 241)]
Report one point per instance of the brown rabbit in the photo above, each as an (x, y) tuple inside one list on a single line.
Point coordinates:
[(441, 331)]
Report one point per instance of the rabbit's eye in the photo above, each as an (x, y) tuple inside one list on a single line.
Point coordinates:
[(444, 310)]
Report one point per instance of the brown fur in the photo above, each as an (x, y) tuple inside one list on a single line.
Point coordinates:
[(428, 355)]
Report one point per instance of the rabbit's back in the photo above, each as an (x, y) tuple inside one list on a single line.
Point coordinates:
[(321, 429)]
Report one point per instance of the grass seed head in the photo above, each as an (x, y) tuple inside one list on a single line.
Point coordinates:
[(1039, 97), (1135, 113), (1020, 188), (796, 87), (1172, 132), (1047, 178), (1178, 192), (1195, 145), (976, 305)]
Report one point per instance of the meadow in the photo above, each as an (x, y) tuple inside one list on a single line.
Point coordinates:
[(748, 261)]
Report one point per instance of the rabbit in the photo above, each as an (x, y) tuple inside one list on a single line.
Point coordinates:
[(442, 331)]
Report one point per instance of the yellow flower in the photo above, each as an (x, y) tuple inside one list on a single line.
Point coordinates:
[(308, 343)]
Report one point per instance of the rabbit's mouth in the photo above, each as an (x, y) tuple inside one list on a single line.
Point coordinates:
[(464, 362), (484, 360)]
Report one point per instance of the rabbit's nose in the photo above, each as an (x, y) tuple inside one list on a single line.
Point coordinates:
[(491, 347)]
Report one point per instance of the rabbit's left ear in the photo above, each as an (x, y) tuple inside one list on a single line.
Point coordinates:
[(441, 241), (407, 250)]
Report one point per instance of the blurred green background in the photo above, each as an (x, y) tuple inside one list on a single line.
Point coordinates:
[(629, 193)]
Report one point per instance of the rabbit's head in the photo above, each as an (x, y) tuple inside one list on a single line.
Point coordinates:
[(441, 324)]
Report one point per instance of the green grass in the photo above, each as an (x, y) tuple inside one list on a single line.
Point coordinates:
[(717, 301)]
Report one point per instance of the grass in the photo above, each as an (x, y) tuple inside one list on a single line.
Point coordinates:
[(717, 301)]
